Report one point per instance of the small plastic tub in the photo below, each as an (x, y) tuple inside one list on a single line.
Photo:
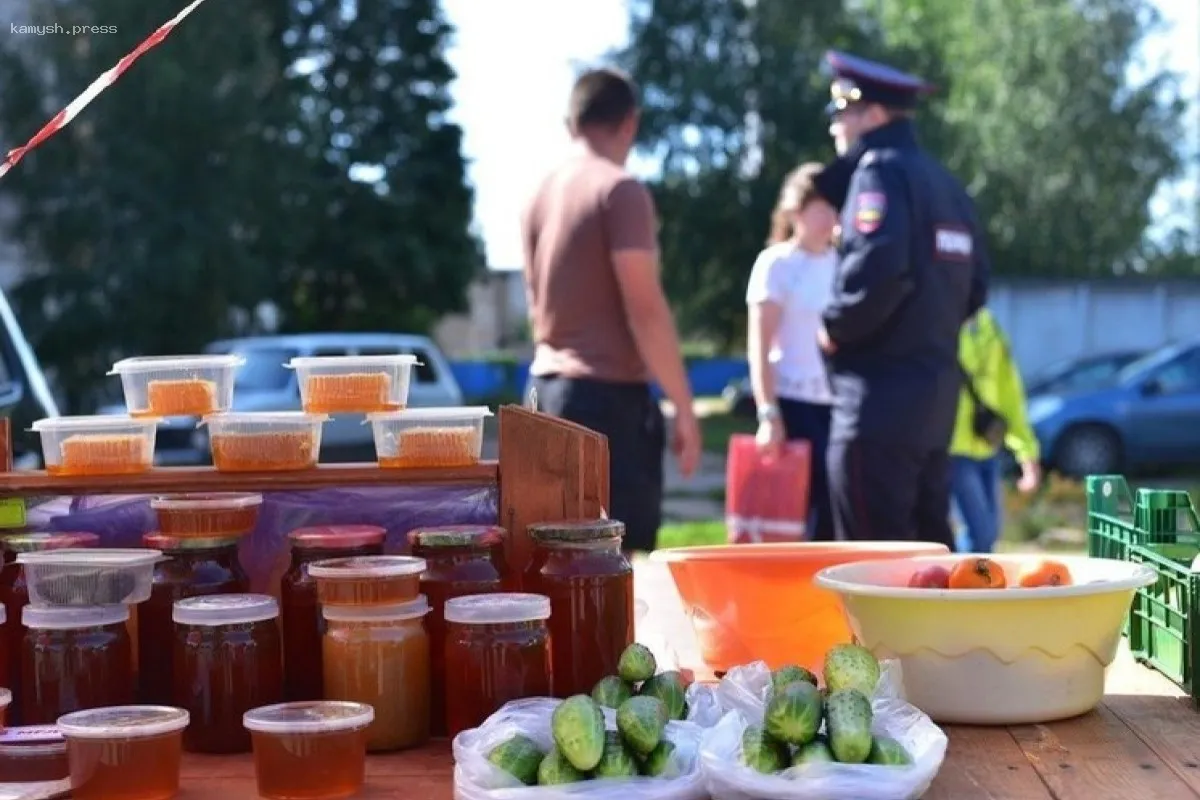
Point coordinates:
[(178, 386), (429, 437), (316, 750), (206, 515), (126, 752), (265, 441), (353, 384), (89, 577), (33, 754), (97, 445), (367, 580)]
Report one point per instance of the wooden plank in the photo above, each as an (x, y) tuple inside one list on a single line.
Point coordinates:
[(550, 470), (207, 479), (986, 764), (1097, 755)]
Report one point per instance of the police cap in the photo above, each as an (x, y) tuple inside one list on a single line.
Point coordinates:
[(857, 80)]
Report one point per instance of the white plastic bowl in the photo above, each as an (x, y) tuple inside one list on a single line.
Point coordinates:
[(429, 437), (166, 386), (993, 656), (97, 445)]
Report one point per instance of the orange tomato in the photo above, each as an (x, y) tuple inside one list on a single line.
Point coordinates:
[(1046, 572), (977, 573)]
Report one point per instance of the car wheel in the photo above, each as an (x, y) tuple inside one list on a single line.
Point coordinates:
[(1088, 450)]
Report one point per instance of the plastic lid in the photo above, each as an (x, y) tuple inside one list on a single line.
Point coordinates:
[(577, 530), (225, 609), (396, 612), (331, 537), (206, 502), (35, 542), (97, 422), (68, 618), (355, 567), (309, 716), (497, 609), (149, 363), (112, 557), (162, 541), (264, 418), (457, 536), (454, 414), (123, 722), (338, 361)]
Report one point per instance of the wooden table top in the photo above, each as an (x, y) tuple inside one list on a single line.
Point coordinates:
[(1143, 742)]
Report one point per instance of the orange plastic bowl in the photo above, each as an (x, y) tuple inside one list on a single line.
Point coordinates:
[(752, 602)]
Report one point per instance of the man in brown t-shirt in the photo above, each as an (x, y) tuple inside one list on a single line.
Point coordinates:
[(601, 323)]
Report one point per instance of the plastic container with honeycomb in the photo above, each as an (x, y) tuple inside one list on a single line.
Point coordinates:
[(33, 754), (207, 515), (353, 384), (89, 577), (178, 386), (429, 437), (367, 580), (265, 441), (97, 445)]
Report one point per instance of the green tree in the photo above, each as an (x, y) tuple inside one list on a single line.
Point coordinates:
[(143, 220), (1041, 118), (387, 211), (733, 100), (1036, 113)]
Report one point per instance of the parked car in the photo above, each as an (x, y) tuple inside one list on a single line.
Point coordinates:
[(263, 383), (1079, 374), (25, 394), (1148, 415)]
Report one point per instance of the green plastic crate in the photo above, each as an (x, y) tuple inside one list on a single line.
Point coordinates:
[(1158, 528)]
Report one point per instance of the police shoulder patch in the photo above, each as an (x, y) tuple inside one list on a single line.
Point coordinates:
[(869, 210)]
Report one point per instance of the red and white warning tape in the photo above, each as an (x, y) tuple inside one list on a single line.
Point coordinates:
[(64, 117)]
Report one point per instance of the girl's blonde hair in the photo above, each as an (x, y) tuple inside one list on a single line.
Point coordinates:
[(798, 190)]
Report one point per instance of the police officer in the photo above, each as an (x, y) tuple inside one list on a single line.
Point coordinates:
[(912, 270)]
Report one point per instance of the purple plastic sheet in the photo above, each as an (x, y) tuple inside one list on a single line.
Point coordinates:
[(122, 520)]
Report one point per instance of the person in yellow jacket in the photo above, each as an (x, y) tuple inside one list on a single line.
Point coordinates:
[(991, 412)]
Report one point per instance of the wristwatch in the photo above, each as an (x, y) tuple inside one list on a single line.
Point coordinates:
[(768, 412)]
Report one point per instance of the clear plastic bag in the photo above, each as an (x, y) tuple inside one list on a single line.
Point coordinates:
[(743, 694), (475, 778)]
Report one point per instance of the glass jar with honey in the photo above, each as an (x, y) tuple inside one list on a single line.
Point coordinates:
[(460, 560), (497, 650), (379, 655), (228, 660), (15, 596), (303, 625), (579, 565), (74, 658), (192, 568)]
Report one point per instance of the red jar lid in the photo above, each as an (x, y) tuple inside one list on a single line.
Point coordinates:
[(457, 536), (52, 540), (336, 537)]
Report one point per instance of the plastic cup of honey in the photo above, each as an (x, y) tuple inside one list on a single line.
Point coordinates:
[(367, 580), (316, 750), (130, 752)]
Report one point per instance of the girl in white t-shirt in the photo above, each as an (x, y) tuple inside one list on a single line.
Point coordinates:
[(789, 287)]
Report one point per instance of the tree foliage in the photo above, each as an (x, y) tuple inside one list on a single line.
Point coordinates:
[(1036, 112), (219, 174)]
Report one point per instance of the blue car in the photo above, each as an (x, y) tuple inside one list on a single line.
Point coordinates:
[(1147, 416)]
